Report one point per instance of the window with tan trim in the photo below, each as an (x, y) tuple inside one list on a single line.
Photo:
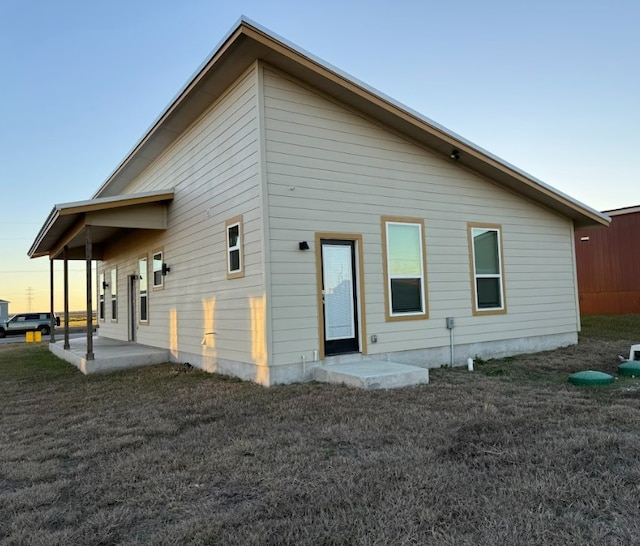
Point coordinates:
[(143, 295), (234, 237), (404, 268), (487, 274), (101, 286), (114, 294), (158, 278)]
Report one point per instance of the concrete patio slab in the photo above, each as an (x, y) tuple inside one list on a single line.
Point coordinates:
[(109, 354), (372, 374)]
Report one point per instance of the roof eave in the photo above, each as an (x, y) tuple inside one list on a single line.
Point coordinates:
[(50, 221), (248, 41), (80, 208)]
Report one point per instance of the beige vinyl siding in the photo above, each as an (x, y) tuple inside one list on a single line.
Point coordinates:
[(214, 169), (331, 170)]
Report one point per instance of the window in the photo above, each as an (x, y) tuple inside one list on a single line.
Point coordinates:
[(114, 294), (486, 264), (404, 266), (157, 270), (144, 290), (101, 296), (235, 266)]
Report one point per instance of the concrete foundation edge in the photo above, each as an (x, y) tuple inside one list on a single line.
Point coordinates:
[(426, 358)]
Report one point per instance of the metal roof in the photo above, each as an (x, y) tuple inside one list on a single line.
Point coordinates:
[(623, 210), (67, 222), (247, 42)]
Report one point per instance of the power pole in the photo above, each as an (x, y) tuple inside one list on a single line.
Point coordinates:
[(30, 292)]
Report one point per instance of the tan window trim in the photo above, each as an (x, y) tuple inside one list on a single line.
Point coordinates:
[(155, 286), (236, 220), (385, 265), (113, 276), (472, 269), (102, 297), (144, 276)]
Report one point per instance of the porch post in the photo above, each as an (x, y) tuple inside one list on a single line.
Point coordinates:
[(66, 297), (52, 322), (88, 252)]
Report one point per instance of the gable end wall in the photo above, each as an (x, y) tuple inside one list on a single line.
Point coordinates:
[(331, 170)]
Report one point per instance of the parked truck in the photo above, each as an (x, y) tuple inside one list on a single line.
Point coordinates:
[(28, 322)]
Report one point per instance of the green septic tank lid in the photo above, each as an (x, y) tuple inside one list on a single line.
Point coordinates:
[(590, 377), (630, 368)]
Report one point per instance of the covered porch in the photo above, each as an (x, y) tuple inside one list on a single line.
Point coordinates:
[(81, 231), (108, 354)]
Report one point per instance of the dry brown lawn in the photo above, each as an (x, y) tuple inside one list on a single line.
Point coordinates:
[(510, 454)]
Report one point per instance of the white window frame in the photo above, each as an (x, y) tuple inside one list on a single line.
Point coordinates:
[(143, 295), (113, 285), (159, 270), (392, 315), (101, 294), (238, 247), (502, 308)]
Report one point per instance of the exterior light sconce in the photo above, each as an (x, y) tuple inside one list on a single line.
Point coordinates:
[(105, 285), (165, 269), (455, 155), (303, 245)]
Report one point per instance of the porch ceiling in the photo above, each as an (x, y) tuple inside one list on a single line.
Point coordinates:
[(106, 217)]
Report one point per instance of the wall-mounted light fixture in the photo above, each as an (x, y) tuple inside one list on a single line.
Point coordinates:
[(105, 285), (455, 154), (165, 269), (303, 245)]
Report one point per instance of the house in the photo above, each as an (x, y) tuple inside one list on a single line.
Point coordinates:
[(280, 216), (608, 263), (4, 310)]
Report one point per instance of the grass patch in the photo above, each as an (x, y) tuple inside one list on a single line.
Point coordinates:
[(611, 327), (602, 339), (170, 455)]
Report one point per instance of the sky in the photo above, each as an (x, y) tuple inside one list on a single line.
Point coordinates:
[(550, 86)]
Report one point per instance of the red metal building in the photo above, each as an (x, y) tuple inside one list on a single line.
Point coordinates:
[(608, 262)]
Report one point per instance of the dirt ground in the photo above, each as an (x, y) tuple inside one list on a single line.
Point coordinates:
[(509, 454)]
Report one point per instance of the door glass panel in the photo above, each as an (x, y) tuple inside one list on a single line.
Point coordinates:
[(338, 292)]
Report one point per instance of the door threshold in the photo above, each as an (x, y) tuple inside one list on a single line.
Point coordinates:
[(342, 358)]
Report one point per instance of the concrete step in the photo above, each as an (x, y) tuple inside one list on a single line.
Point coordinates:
[(372, 374)]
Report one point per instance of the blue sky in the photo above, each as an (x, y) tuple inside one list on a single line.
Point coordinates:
[(549, 86)]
